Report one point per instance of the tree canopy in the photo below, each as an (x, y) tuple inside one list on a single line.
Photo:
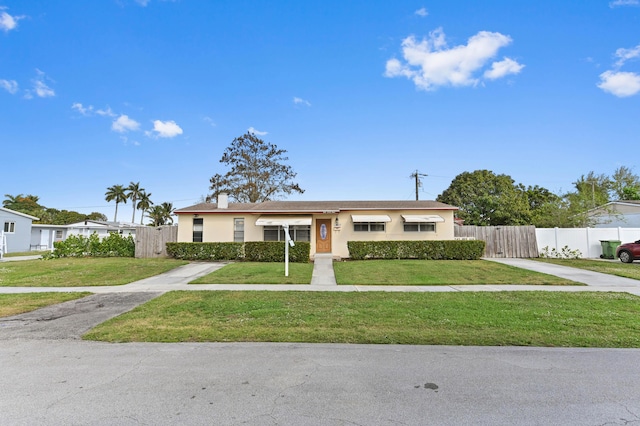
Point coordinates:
[(485, 198), (29, 204), (257, 171)]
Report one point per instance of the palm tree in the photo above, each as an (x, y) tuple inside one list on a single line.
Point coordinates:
[(144, 204), (161, 214), (116, 193), (168, 209), (133, 193)]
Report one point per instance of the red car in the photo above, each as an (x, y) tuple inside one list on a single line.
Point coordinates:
[(628, 252)]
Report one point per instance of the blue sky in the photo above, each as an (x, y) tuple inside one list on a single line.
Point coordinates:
[(360, 94)]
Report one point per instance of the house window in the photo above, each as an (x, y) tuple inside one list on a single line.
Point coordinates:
[(10, 227), (369, 226), (297, 233), (238, 230), (197, 230), (420, 227), (58, 233)]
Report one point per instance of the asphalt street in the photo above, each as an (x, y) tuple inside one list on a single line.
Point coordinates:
[(48, 376)]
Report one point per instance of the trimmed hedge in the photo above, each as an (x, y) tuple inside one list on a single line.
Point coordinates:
[(114, 245), (273, 251), (251, 251), (206, 251), (432, 250)]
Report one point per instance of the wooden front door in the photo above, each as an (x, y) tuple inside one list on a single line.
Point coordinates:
[(323, 236)]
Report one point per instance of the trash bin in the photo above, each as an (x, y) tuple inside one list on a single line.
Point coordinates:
[(609, 248)]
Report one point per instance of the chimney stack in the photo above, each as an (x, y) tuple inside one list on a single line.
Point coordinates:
[(223, 200)]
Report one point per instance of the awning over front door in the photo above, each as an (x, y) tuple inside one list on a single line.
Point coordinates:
[(282, 220), (359, 218), (422, 218)]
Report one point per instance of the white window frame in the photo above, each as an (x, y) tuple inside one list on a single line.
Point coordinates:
[(420, 226), (369, 226), (238, 229), (198, 228), (293, 231), (9, 227)]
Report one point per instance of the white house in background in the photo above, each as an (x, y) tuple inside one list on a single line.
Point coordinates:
[(44, 235), (16, 229), (625, 214)]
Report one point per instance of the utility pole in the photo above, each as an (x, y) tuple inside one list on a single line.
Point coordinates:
[(417, 177)]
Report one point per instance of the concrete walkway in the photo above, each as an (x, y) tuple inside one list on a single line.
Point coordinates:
[(323, 270)]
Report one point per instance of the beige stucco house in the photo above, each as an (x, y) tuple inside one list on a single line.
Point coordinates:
[(327, 225)]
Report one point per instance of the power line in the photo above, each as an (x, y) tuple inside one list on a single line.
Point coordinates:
[(417, 177)]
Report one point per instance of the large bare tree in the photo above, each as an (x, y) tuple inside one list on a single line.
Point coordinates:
[(257, 171)]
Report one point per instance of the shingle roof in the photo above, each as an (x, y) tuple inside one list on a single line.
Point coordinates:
[(315, 206)]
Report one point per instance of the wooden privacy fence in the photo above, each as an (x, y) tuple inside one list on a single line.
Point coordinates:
[(502, 241), (152, 241)]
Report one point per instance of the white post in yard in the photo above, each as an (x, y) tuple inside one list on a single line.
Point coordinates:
[(287, 242), (3, 244)]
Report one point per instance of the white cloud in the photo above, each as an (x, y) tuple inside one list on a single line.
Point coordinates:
[(143, 3), (40, 87), (82, 109), (617, 3), (8, 22), (624, 55), (124, 124), (300, 101), (503, 68), (620, 84), (210, 121), (105, 112), (430, 63), (166, 129), (10, 86), (421, 12), (256, 132)]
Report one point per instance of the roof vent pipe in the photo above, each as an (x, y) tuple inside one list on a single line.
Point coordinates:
[(223, 200)]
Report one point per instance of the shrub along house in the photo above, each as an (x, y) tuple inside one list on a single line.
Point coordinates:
[(326, 225)]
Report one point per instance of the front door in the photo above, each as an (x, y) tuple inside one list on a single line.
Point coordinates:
[(323, 236)]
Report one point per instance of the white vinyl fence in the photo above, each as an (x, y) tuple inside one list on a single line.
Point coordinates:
[(587, 240)]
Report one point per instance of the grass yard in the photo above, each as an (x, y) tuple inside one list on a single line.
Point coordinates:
[(259, 273), (584, 319), (14, 304), (26, 253), (80, 272), (438, 272), (627, 270)]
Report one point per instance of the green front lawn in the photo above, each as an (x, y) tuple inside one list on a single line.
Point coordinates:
[(80, 272), (627, 270), (437, 272), (259, 273), (14, 304), (584, 319)]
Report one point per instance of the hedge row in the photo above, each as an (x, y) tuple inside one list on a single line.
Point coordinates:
[(206, 251), (252, 251), (433, 250), (114, 245)]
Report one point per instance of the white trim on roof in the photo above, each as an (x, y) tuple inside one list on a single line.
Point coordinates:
[(359, 218), (28, 216), (281, 220), (422, 218)]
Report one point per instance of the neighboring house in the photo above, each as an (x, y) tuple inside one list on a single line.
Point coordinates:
[(624, 214), (327, 225), (44, 235), (16, 230)]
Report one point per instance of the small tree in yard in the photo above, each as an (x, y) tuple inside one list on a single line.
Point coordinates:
[(257, 171)]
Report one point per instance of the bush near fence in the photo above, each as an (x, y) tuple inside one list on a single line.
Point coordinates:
[(273, 251), (251, 251), (115, 245), (431, 250), (206, 251)]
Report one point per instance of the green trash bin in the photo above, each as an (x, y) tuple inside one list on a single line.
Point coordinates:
[(609, 248)]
